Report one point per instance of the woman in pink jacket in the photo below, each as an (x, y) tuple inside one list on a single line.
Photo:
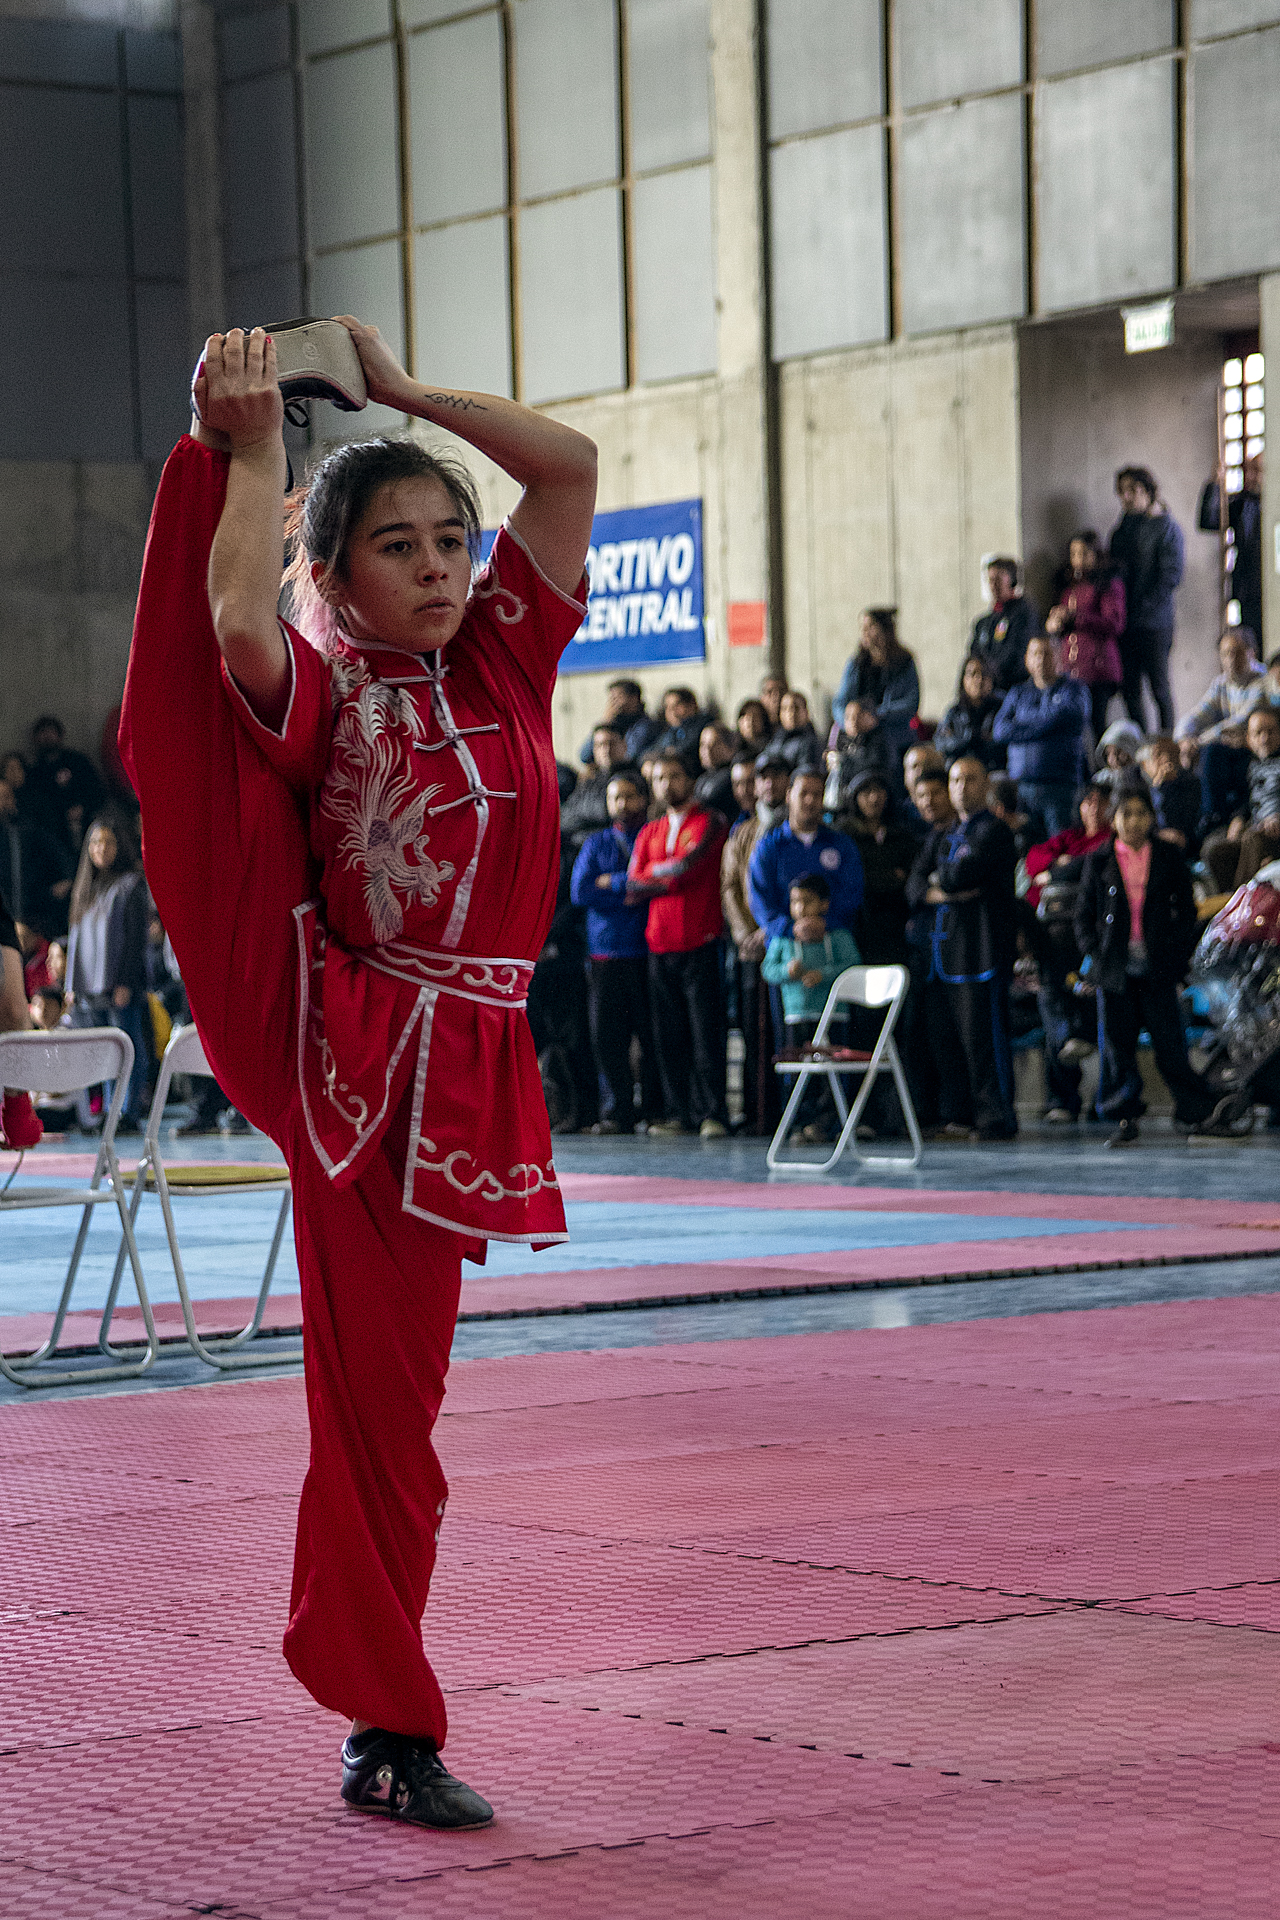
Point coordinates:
[(1088, 618)]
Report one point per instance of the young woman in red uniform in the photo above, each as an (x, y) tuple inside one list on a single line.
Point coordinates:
[(352, 840)]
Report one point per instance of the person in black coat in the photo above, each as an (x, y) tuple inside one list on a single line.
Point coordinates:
[(1147, 547), (965, 874), (966, 725), (1000, 636), (1135, 923)]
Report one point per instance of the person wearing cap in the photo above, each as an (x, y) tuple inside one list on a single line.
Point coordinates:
[(1000, 635)]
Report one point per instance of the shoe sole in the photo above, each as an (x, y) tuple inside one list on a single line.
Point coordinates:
[(403, 1820)]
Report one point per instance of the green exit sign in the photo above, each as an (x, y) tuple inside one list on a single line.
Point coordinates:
[(1146, 328)]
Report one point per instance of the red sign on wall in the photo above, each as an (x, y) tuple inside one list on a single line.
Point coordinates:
[(745, 620)]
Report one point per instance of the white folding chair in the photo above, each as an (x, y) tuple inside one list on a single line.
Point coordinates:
[(185, 1054), (66, 1061), (856, 987)]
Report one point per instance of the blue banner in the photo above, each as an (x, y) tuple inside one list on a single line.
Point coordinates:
[(645, 606)]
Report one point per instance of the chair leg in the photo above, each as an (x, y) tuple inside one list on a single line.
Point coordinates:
[(783, 1128), (891, 1063), (220, 1353)]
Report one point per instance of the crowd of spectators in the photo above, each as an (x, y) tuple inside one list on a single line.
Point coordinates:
[(1041, 869)]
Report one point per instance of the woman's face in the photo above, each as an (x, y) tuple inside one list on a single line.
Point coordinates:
[(976, 682), (753, 723), (1134, 821), (1094, 813), (874, 639), (1083, 558), (102, 849), (407, 571), (871, 802)]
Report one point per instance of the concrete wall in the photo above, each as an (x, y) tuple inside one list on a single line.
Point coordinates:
[(1089, 408), (899, 471), (69, 564)]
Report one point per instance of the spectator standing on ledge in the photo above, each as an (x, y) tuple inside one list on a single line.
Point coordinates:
[(882, 674), (802, 844), (1042, 724), (714, 784), (618, 960), (999, 637), (796, 739), (965, 727), (772, 688), (1147, 547), (1136, 924), (965, 874), (1087, 618), (684, 723), (624, 709), (676, 867), (64, 785), (760, 1097), (585, 810)]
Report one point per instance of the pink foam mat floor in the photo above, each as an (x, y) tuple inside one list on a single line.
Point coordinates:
[(961, 1622)]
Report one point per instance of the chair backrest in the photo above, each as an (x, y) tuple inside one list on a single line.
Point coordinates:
[(185, 1052), (66, 1060), (864, 987)]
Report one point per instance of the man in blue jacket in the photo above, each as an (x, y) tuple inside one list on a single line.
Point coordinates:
[(618, 958), (800, 845), (1042, 725)]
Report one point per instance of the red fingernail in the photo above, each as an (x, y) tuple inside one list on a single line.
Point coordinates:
[(270, 340)]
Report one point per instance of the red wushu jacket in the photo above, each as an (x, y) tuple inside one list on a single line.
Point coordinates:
[(684, 911)]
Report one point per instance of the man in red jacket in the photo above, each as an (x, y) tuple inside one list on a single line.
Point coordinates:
[(676, 867)]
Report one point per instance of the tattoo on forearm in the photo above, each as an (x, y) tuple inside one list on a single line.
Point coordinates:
[(463, 402)]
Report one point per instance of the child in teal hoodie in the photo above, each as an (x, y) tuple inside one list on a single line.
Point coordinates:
[(804, 966)]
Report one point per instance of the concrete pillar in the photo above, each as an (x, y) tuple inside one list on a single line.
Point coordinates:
[(206, 283), (1269, 326), (750, 530)]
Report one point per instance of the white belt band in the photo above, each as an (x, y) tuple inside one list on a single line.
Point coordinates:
[(468, 976)]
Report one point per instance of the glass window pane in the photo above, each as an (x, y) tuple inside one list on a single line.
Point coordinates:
[(417, 13), (668, 63), (674, 275), (340, 23), (962, 216), (353, 186), (945, 51), (566, 94), (155, 176), (571, 297), (1209, 17), (826, 64), (365, 281), (1086, 33), (65, 149), (459, 121), (1105, 172), (259, 171), (251, 42), (85, 325), (164, 367), (462, 306), (827, 221), (1235, 125)]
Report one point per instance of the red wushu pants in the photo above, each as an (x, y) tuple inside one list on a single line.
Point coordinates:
[(227, 859)]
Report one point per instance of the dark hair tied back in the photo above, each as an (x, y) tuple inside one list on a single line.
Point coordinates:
[(322, 514)]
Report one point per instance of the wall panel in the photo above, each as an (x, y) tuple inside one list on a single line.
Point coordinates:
[(571, 296), (1086, 33), (962, 215), (566, 95), (667, 59), (459, 136), (461, 303), (1096, 241), (1235, 154), (259, 172), (353, 187), (675, 295), (825, 64), (944, 50), (829, 281)]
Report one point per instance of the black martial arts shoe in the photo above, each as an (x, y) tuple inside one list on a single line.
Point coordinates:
[(405, 1779)]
